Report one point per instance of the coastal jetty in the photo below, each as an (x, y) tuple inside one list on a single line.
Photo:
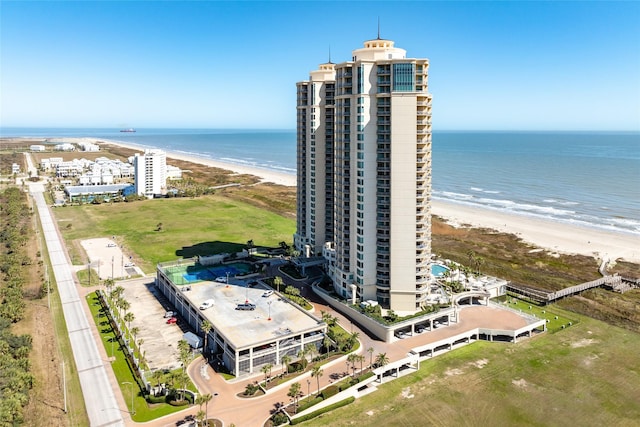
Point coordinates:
[(616, 283)]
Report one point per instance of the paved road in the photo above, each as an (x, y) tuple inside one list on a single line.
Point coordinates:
[(100, 401)]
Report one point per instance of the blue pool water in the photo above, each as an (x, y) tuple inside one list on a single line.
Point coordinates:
[(438, 270), (213, 272)]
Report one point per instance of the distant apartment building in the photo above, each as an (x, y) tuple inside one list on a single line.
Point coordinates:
[(64, 147), (150, 173), (364, 174), (37, 147)]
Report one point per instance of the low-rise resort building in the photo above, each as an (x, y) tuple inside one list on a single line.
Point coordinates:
[(251, 327)]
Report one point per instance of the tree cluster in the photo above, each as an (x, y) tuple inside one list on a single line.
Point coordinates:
[(15, 378)]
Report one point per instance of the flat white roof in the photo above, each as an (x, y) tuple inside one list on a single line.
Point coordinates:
[(246, 328)]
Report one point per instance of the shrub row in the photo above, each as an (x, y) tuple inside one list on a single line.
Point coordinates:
[(314, 414)]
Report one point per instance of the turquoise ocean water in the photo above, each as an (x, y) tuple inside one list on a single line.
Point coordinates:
[(586, 178)]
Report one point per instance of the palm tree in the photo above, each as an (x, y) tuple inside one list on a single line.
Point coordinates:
[(134, 332), (310, 349), (286, 359), (471, 255), (278, 281), (351, 359), (140, 342), (361, 358), (117, 292), (200, 401), (478, 261), (200, 416), (157, 376), (206, 398), (326, 343), (129, 317), (353, 339), (381, 359), (294, 392), (206, 328), (370, 350), (265, 370), (124, 305), (302, 353), (317, 372), (109, 284)]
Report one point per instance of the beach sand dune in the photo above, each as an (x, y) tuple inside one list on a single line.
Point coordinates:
[(551, 235)]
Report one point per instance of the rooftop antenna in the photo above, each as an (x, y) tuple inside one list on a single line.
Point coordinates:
[(378, 28), (330, 56)]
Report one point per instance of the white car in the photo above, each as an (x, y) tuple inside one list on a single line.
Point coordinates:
[(129, 264), (207, 304), (111, 245), (220, 279), (267, 294)]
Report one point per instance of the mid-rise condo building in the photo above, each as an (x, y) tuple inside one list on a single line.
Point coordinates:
[(150, 173), (364, 174)]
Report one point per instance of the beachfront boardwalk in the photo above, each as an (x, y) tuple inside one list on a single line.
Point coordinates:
[(616, 283)]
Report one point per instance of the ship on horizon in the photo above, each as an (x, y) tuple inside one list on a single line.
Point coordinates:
[(128, 130)]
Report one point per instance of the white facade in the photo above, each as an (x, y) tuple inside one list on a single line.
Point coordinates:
[(150, 173), (37, 147), (377, 164)]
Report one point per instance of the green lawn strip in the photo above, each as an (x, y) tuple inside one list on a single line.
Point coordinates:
[(584, 375), (76, 410), (144, 411), (558, 319), (190, 227)]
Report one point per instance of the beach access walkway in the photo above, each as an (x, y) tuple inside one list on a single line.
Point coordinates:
[(616, 283)]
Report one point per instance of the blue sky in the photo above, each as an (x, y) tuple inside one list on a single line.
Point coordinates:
[(211, 64)]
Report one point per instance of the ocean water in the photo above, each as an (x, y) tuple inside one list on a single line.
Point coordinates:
[(585, 178)]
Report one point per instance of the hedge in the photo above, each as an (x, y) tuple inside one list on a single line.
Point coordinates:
[(314, 414)]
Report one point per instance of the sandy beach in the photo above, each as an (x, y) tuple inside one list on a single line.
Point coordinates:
[(554, 236), (265, 175)]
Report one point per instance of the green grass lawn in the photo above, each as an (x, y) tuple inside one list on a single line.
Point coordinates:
[(586, 375), (190, 227), (558, 319)]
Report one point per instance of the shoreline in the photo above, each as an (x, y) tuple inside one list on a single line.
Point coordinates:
[(265, 175), (554, 236)]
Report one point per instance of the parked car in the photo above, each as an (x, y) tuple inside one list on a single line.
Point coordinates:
[(246, 306), (401, 334), (267, 294), (208, 303), (111, 245), (129, 264), (220, 279), (420, 329), (172, 320), (168, 314)]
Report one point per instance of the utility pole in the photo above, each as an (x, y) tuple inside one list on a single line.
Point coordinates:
[(64, 387)]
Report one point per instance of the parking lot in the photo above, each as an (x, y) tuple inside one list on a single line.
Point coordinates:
[(148, 305)]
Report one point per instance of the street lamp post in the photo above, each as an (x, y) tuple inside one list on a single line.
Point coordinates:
[(308, 387), (133, 410), (269, 304)]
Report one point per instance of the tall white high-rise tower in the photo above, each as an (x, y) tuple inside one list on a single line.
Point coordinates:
[(364, 174)]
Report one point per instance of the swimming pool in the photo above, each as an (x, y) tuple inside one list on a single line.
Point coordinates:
[(438, 270), (200, 274)]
